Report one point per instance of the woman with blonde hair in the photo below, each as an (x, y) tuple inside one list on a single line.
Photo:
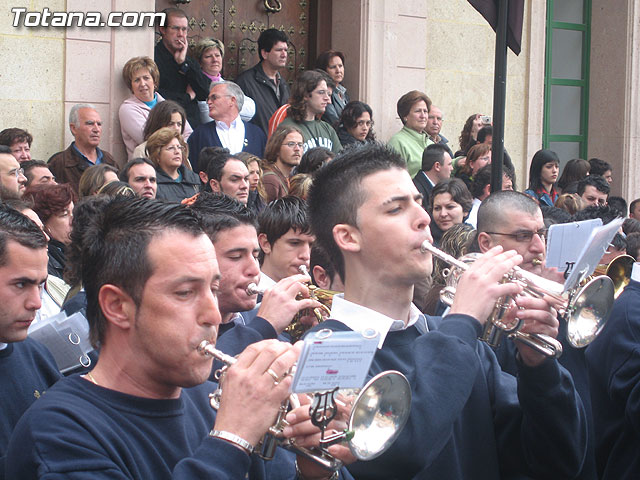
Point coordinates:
[(168, 153), (142, 77), (210, 52), (478, 156)]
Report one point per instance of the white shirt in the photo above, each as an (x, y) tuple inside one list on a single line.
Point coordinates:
[(265, 281), (359, 318), (472, 219), (635, 272), (3, 346), (232, 136)]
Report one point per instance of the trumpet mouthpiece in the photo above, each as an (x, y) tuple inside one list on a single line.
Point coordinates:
[(536, 261), (303, 269), (252, 289)]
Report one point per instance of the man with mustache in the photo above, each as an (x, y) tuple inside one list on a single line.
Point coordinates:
[(86, 127)]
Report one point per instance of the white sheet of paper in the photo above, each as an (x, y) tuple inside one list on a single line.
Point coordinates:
[(592, 252), (341, 360), (565, 241)]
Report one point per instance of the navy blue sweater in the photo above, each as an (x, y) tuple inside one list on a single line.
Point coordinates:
[(80, 430), (614, 369), (573, 359), (27, 370), (469, 419)]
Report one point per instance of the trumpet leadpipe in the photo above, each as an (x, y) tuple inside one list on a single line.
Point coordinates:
[(427, 247), (208, 350), (253, 289)]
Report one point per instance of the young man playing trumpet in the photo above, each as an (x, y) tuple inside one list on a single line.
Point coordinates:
[(232, 229), (151, 278), (514, 221), (469, 419)]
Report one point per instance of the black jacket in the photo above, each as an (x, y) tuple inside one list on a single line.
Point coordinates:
[(172, 191), (424, 186), (255, 84), (174, 79)]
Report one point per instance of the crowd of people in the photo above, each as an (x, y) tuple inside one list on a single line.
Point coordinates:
[(228, 184)]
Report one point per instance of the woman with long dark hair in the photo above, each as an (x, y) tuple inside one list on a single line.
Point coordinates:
[(543, 174), (356, 124)]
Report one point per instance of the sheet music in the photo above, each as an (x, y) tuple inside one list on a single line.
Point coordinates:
[(565, 242)]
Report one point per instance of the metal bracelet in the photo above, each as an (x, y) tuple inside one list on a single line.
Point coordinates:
[(232, 438)]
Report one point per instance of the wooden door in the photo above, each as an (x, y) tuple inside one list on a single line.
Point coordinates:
[(238, 23)]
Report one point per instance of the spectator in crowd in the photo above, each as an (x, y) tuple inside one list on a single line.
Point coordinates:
[(602, 168), (478, 156), (210, 53), (168, 153), (27, 369), (630, 225), (263, 81), (229, 175), (634, 209), (313, 159), (53, 203), (37, 171), (94, 178), (282, 153), (450, 204), (300, 185), (309, 98), (574, 171), (19, 141), (142, 77), (323, 272), (485, 135), (480, 189), (256, 190), (436, 167), (332, 62), (181, 79), (12, 179), (285, 239), (355, 126), (166, 114), (469, 134), (619, 204), (543, 174), (593, 190), (633, 245), (410, 142), (117, 188), (140, 174), (86, 127), (569, 202), (227, 130), (434, 127)]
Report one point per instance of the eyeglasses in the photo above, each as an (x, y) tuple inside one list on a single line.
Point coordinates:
[(213, 97), (362, 123), (175, 149), (524, 235), (294, 144), (17, 172), (178, 29)]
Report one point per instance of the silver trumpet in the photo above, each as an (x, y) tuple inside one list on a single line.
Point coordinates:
[(585, 310), (378, 414)]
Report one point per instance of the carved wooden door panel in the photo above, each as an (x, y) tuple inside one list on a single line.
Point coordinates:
[(238, 23)]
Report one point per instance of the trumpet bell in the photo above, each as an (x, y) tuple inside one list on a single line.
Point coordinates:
[(619, 270), (590, 309), (379, 414)]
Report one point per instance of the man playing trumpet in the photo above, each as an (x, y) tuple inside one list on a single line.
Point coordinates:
[(152, 279), (469, 419)]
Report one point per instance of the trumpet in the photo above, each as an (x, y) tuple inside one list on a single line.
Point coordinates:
[(377, 417), (585, 310)]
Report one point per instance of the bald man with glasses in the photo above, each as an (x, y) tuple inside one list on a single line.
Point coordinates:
[(514, 221)]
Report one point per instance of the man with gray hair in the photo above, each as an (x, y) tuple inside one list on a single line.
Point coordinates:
[(86, 127), (227, 130)]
